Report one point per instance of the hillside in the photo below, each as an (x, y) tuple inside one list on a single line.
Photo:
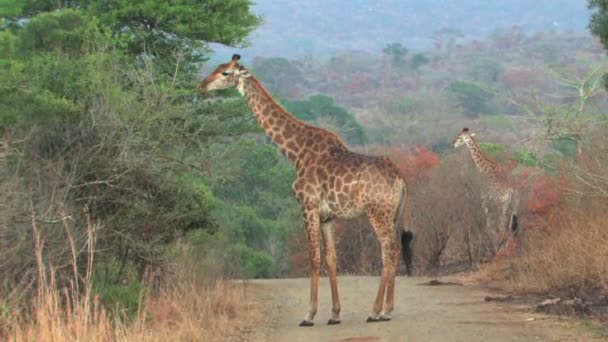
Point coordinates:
[(315, 27)]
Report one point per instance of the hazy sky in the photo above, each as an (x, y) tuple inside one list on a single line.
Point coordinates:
[(326, 27)]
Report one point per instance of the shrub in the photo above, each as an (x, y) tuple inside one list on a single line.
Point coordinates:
[(473, 99)]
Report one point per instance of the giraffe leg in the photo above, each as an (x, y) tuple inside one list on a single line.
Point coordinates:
[(384, 230), (332, 264), (503, 229), (484, 206), (311, 218), (390, 285)]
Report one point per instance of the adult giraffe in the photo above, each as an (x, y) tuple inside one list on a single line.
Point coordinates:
[(498, 189), (332, 183)]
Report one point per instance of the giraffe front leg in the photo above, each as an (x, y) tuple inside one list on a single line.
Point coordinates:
[(504, 231), (332, 264), (484, 206), (311, 218)]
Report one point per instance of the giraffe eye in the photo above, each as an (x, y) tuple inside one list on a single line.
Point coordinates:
[(225, 73)]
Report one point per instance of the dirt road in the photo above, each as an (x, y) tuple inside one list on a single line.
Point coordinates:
[(422, 313)]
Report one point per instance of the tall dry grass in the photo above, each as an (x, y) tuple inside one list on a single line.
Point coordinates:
[(188, 306), (566, 257), (564, 246)]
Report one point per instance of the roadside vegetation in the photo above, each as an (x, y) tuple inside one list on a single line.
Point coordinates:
[(128, 201)]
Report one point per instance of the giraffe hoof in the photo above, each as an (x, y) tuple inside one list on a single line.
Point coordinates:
[(333, 321), (378, 319), (306, 323)]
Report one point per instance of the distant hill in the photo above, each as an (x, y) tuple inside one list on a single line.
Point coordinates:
[(324, 27)]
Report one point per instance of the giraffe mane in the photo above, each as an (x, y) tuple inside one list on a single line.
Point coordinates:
[(493, 164), (290, 115)]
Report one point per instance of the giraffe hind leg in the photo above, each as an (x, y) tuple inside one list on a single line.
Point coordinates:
[(384, 227)]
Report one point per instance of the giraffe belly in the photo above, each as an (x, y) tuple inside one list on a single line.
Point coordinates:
[(329, 210)]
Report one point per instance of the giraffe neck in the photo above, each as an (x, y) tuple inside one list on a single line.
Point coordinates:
[(485, 165), (296, 139)]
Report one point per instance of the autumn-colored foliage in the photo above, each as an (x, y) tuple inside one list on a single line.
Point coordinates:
[(515, 78), (414, 164), (359, 82), (544, 196)]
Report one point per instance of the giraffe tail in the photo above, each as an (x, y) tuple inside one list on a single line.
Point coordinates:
[(406, 235), (407, 252)]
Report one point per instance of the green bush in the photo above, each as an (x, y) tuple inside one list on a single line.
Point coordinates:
[(258, 264), (495, 151), (567, 147), (118, 288), (321, 107), (527, 158), (473, 99)]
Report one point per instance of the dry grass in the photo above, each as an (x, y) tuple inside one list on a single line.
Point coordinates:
[(568, 257), (185, 312), (188, 306)]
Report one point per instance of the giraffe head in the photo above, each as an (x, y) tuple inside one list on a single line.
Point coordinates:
[(463, 138), (228, 75)]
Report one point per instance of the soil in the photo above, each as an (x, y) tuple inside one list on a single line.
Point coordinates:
[(422, 313)]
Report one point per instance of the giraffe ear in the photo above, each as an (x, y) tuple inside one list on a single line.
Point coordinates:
[(472, 134)]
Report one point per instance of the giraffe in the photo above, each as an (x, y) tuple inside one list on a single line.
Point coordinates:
[(332, 183), (499, 191)]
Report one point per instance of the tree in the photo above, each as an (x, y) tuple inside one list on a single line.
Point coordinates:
[(472, 98), (445, 39), (419, 60), (599, 25), (157, 28), (279, 74), (322, 110), (397, 52), (123, 146)]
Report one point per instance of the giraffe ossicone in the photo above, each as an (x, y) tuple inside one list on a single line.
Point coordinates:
[(332, 182)]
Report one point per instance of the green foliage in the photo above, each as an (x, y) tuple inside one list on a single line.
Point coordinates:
[(277, 73), (566, 146), (66, 31), (158, 28), (318, 108), (527, 158), (598, 23), (599, 20), (495, 151), (441, 147), (418, 60), (126, 139), (498, 122), (46, 76), (10, 9), (397, 52), (256, 173), (486, 70), (258, 264), (118, 289), (179, 30), (256, 215), (472, 98)]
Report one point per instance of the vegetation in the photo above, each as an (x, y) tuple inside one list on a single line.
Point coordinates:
[(127, 197), (322, 110), (107, 154)]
